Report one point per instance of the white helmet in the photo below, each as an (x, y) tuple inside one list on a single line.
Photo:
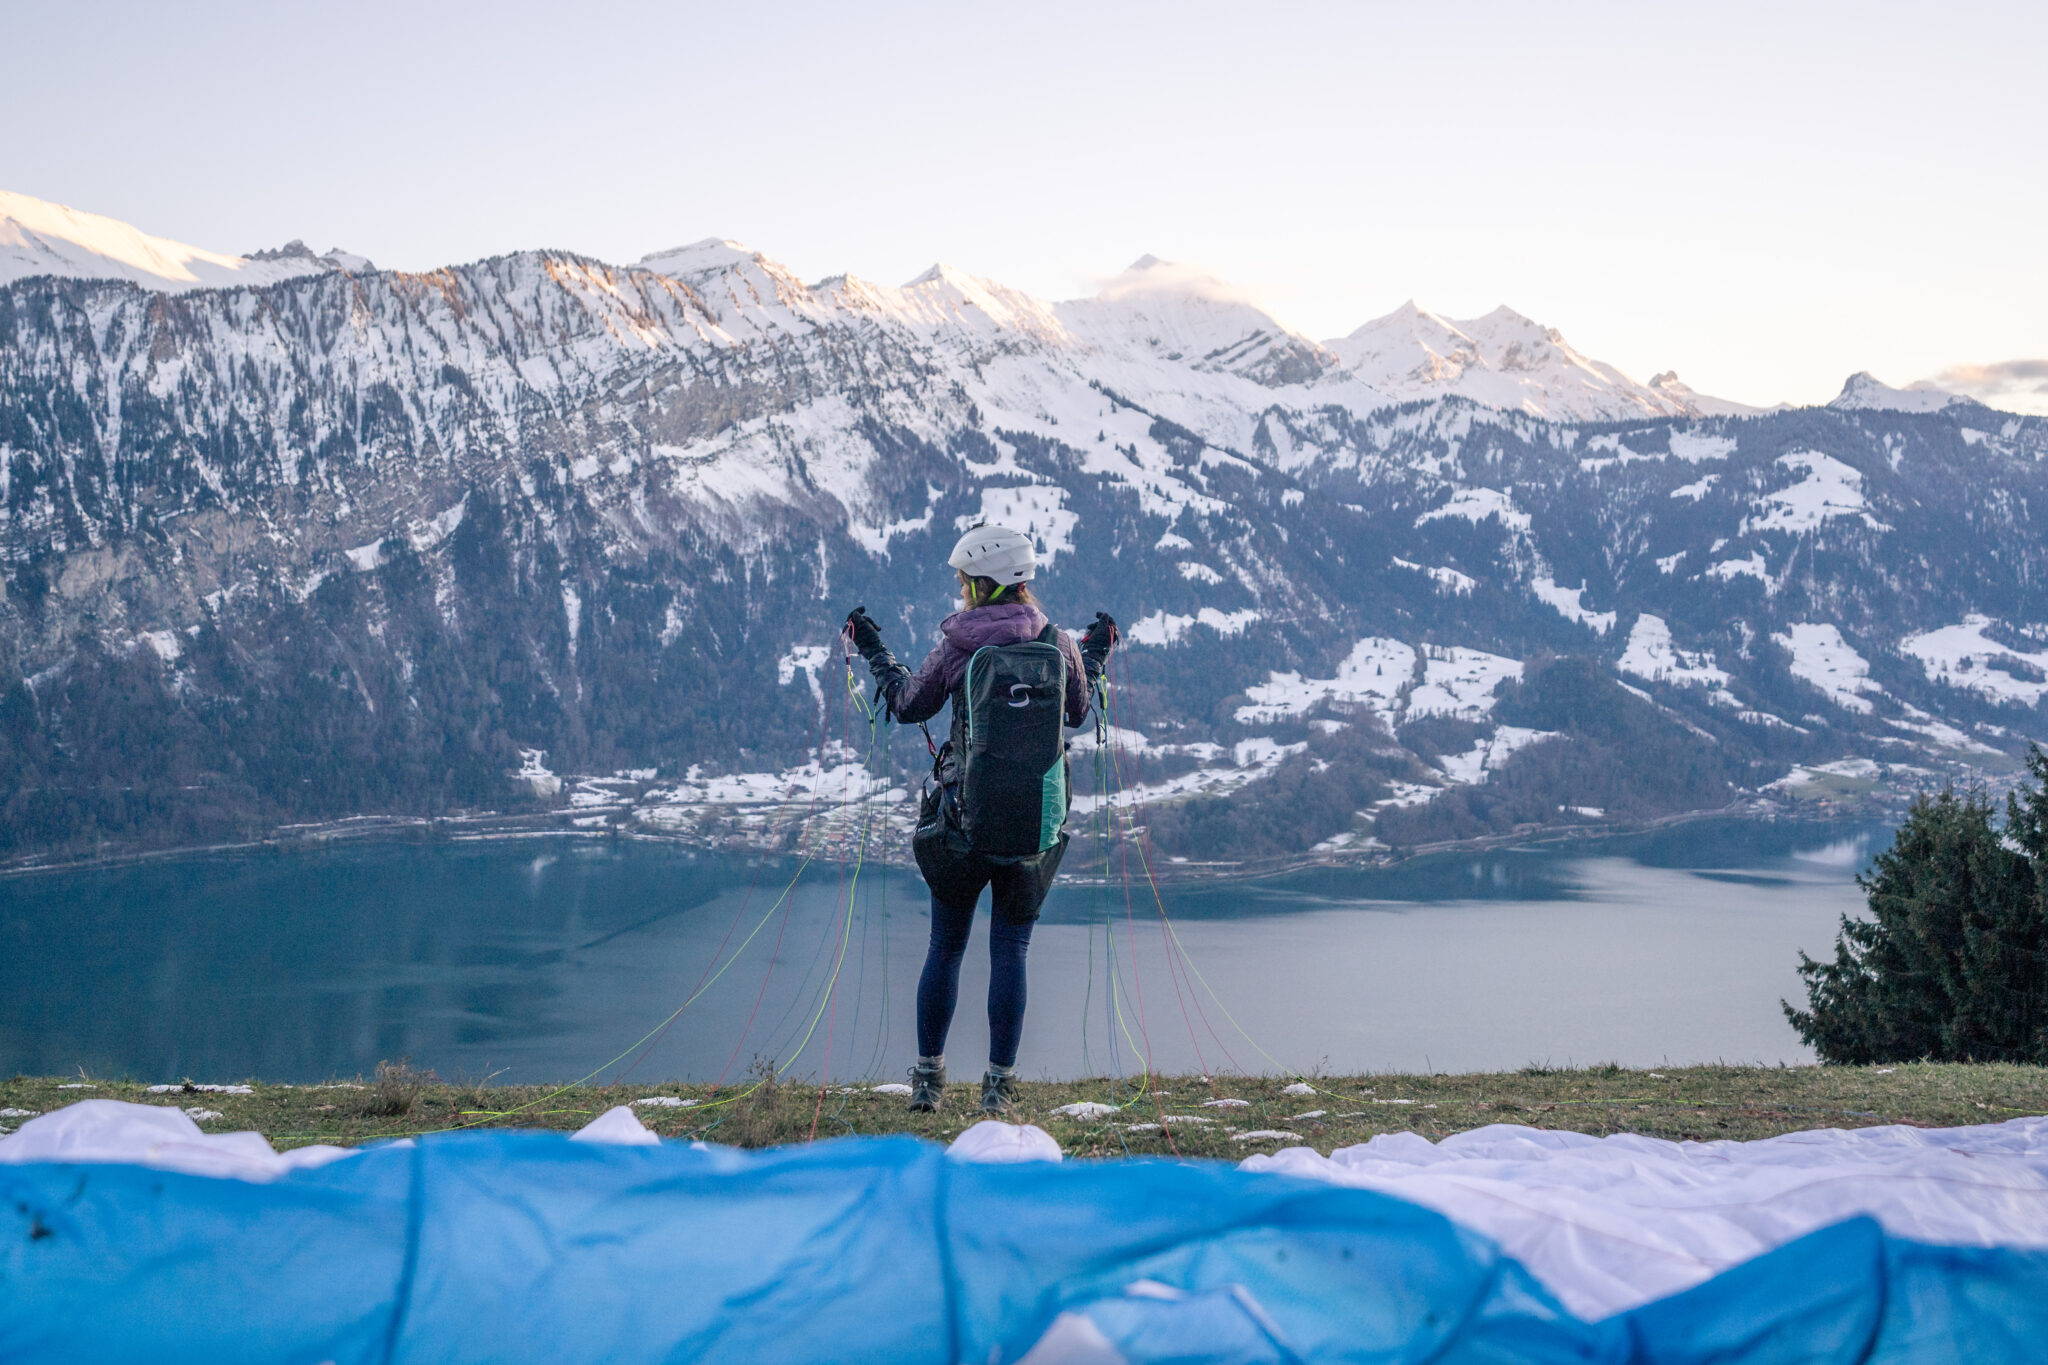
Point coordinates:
[(995, 552)]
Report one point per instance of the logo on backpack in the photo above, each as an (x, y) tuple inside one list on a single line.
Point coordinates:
[(1025, 688)]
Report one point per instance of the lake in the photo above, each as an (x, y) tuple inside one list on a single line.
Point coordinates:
[(549, 959)]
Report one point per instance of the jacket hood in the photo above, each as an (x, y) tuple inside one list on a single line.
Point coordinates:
[(1004, 623)]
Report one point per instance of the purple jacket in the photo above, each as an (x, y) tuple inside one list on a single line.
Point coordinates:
[(1005, 623)]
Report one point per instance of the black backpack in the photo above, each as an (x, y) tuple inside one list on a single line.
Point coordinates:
[(1013, 768)]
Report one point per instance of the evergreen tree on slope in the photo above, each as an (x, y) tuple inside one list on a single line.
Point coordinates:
[(1952, 964)]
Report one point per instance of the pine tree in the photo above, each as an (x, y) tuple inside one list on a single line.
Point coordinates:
[(1952, 964)]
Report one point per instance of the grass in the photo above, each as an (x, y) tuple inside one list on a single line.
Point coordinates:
[(1700, 1103)]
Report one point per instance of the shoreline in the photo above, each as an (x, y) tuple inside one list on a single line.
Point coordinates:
[(496, 827)]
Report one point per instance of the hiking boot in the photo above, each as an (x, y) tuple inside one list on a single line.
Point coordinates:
[(927, 1085), (999, 1089)]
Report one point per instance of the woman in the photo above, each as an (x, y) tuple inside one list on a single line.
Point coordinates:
[(992, 814)]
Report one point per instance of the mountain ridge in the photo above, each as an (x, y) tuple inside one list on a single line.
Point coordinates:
[(508, 532), (1182, 309)]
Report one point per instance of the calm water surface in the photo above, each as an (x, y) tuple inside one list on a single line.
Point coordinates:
[(550, 959)]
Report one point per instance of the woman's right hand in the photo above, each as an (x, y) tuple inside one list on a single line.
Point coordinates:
[(1102, 636)]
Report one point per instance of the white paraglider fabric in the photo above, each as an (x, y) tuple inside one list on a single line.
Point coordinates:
[(1610, 1223), (996, 1142), (167, 1138), (619, 1127), (154, 1135)]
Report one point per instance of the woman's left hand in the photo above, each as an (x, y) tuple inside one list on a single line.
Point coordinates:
[(862, 630)]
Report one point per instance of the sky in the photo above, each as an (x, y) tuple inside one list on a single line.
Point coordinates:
[(1763, 197)]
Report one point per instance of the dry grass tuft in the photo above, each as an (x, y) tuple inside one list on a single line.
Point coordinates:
[(396, 1089)]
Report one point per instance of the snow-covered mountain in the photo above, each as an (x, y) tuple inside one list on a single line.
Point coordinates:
[(1691, 400), (41, 238), (1864, 391), (382, 541), (1506, 361)]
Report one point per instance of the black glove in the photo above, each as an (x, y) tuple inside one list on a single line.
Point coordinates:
[(1096, 642), (866, 635), (1101, 637), (867, 638)]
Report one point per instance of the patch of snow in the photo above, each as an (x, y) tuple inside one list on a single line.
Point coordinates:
[(1964, 656), (1266, 1135), (1199, 573), (809, 660), (1226, 1104), (1476, 505), (440, 526), (1821, 656), (1829, 490), (1730, 568), (1696, 489), (1460, 682), (892, 1088), (1376, 672), (1565, 602), (534, 773), (1298, 1088), (1262, 751), (1038, 510), (1691, 447), (1406, 794), (1165, 628), (1651, 654), (664, 1102), (1918, 722), (1695, 446), (875, 539), (1471, 768), (1446, 580), (1085, 1109), (1129, 741), (181, 1086), (572, 613), (1670, 562)]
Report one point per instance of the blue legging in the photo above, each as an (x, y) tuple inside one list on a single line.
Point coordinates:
[(938, 988)]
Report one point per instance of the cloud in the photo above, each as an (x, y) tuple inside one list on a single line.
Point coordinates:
[(2015, 385)]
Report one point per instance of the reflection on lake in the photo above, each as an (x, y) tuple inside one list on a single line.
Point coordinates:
[(542, 959)]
